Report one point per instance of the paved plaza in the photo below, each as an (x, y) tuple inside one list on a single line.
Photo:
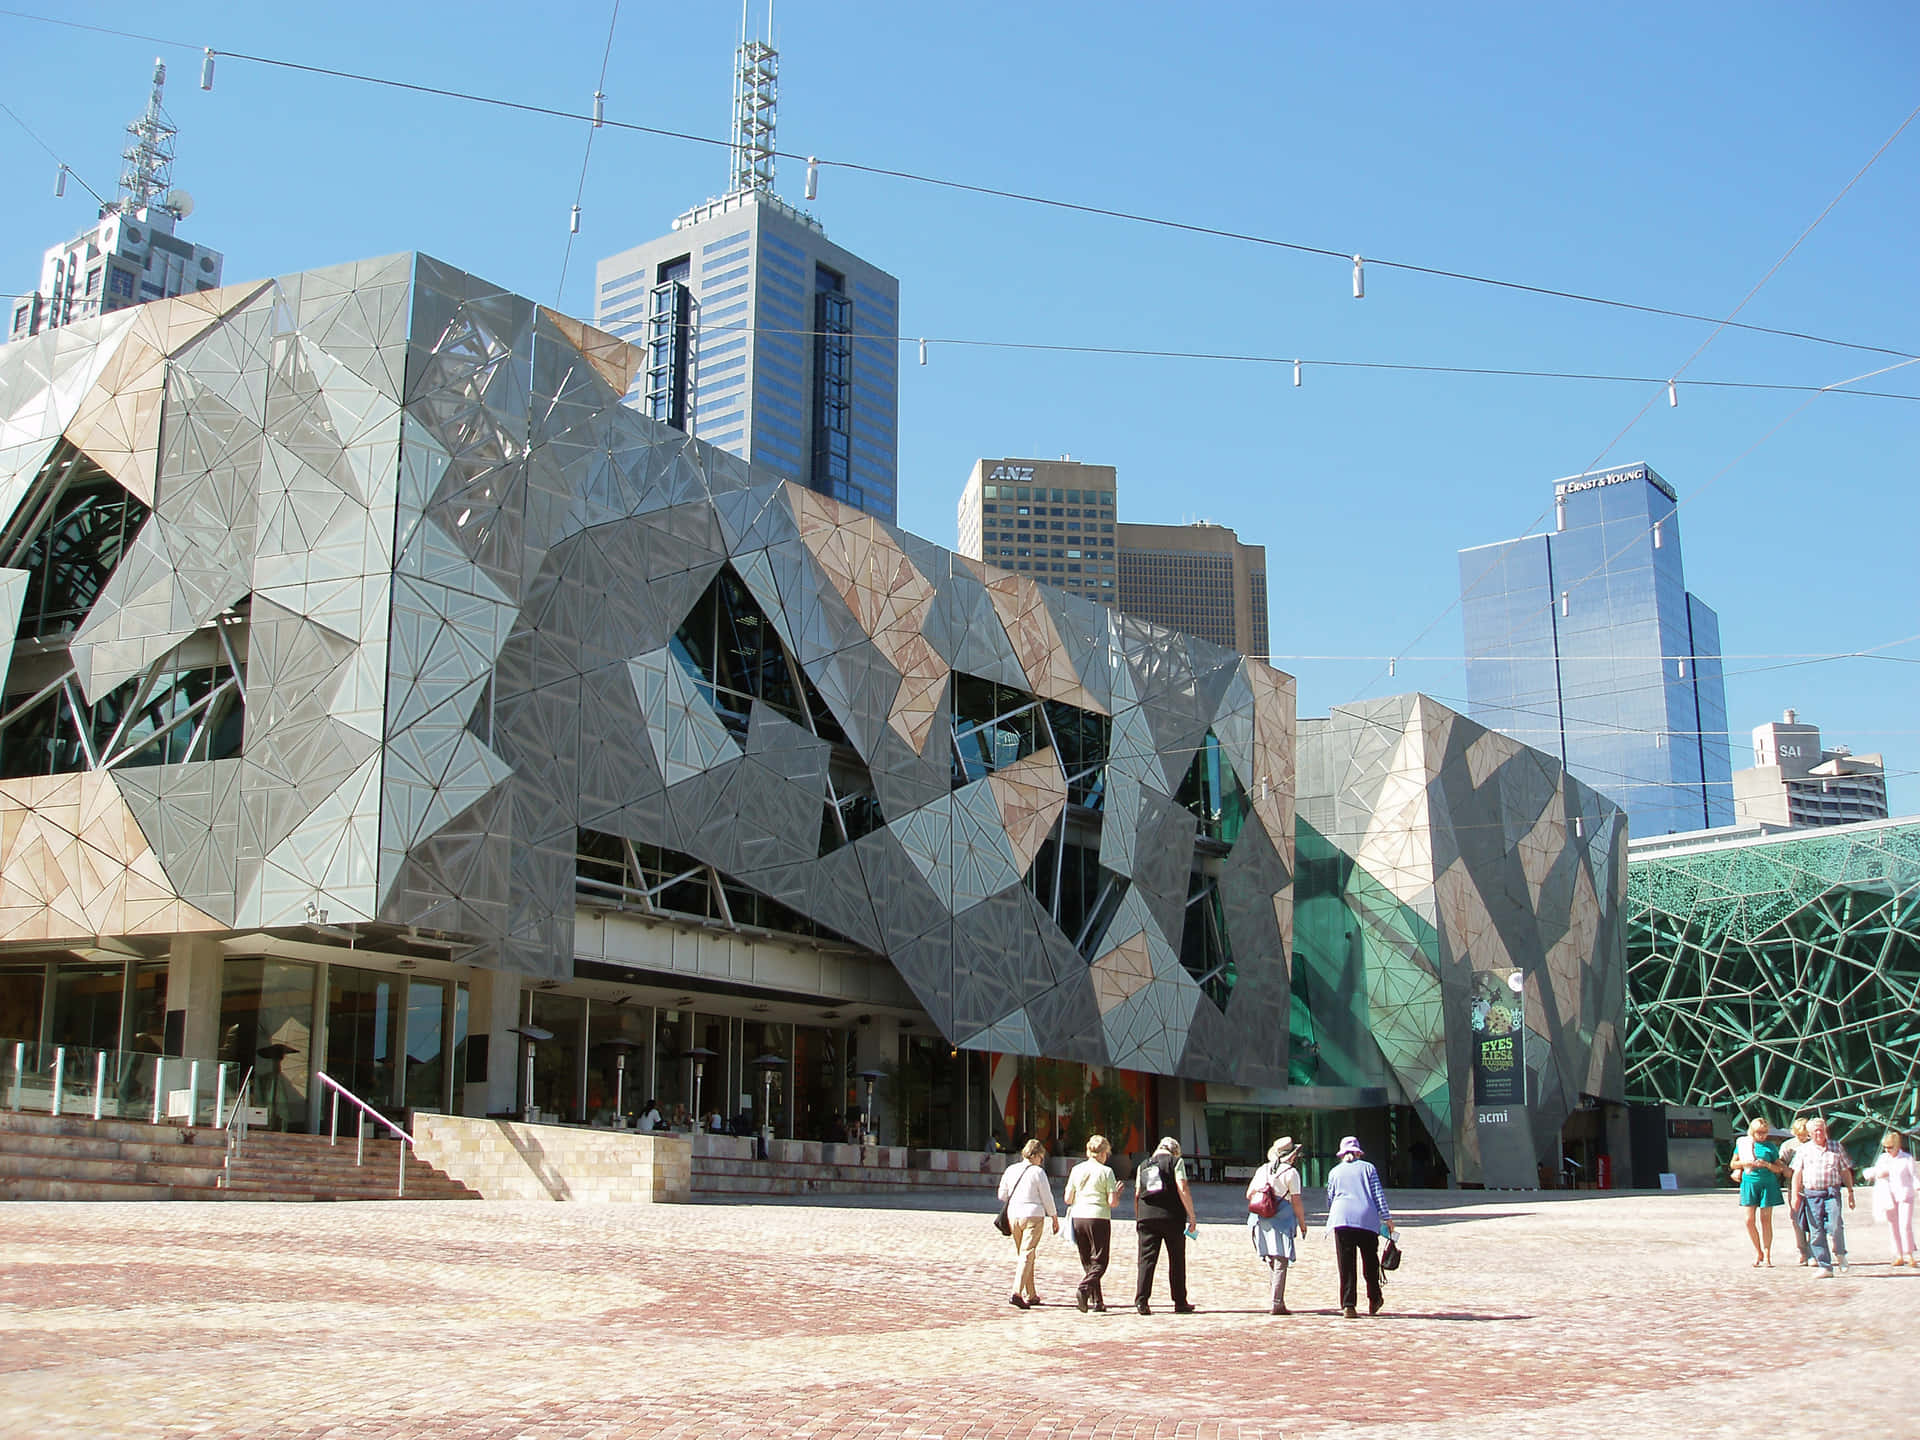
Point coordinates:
[(1513, 1316)]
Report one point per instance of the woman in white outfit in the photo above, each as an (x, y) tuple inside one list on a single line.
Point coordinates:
[(1895, 1182), (1029, 1197), (1273, 1235)]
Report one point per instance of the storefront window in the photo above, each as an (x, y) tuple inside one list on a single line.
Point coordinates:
[(822, 1098), (363, 1027), (86, 1005), (426, 1082), (266, 1020), (146, 1025), (21, 990), (720, 1072), (763, 1103), (557, 1063), (671, 1089), (614, 1031)]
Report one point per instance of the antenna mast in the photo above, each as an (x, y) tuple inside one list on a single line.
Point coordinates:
[(149, 173), (756, 93)]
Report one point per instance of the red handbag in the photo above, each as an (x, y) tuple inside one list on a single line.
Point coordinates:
[(1264, 1203)]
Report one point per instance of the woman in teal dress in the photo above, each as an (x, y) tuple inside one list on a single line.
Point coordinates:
[(1756, 1165)]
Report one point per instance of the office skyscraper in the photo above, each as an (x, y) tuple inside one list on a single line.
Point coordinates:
[(1797, 782), (1052, 519), (130, 254), (1586, 643), (762, 336), (1198, 578)]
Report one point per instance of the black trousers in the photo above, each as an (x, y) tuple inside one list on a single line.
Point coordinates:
[(1153, 1234), (1092, 1238), (1351, 1242)]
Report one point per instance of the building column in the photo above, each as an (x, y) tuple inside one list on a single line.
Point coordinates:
[(194, 964), (494, 1008)]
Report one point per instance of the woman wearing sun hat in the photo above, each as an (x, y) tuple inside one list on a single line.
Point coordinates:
[(1356, 1209), (1277, 1183)]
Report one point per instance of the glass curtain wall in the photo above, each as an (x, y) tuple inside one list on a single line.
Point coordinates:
[(23, 988), (266, 1020), (758, 1038), (672, 1076), (614, 1031), (822, 1093), (557, 1072), (364, 1021)]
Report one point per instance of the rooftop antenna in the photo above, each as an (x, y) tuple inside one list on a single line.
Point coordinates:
[(149, 171), (756, 94)]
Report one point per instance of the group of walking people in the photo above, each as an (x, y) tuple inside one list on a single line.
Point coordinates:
[(1810, 1173), (1165, 1221)]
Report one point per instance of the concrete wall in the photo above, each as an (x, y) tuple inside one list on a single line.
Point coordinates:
[(505, 1160)]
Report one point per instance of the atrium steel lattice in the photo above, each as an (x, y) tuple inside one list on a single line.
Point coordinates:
[(1780, 976)]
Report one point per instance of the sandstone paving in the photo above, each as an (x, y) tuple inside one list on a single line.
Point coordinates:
[(887, 1317)]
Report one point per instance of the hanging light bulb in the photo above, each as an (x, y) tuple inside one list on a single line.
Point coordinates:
[(1564, 608), (60, 182), (813, 178), (1392, 661), (923, 349), (599, 108), (1296, 374), (1579, 827), (573, 225), (1656, 534), (1359, 279), (1680, 667), (206, 69), (1673, 398)]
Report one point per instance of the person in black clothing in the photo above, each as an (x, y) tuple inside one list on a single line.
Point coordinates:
[(1163, 1215)]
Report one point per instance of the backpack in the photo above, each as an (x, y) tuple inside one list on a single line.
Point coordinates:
[(1264, 1202)]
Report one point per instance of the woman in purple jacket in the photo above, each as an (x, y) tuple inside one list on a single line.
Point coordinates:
[(1356, 1210)]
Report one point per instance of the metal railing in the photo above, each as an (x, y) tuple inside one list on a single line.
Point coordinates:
[(235, 1124), (100, 1084), (360, 1131)]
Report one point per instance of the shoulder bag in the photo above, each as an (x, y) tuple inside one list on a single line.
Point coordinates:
[(1390, 1257), (1000, 1221)]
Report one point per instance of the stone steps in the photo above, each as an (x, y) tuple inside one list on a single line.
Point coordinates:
[(43, 1157)]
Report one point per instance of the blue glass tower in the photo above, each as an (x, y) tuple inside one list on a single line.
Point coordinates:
[(1586, 643)]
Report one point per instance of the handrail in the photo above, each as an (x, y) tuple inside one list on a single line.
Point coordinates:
[(236, 1127), (360, 1138)]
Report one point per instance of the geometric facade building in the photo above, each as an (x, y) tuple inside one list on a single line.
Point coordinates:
[(359, 600), (1440, 865), (1779, 976), (1585, 642)]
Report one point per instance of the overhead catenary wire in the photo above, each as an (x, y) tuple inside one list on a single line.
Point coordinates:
[(1719, 328), (966, 342), (1344, 255), (596, 120), (65, 168)]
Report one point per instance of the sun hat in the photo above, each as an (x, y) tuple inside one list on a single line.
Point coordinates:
[(1283, 1150), (1349, 1146)]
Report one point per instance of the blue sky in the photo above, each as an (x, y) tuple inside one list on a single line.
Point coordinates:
[(1665, 155)]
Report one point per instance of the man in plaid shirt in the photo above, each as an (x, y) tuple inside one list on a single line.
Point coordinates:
[(1821, 1171)]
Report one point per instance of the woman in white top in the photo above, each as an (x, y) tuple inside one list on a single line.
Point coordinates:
[(1895, 1182), (1029, 1197), (1091, 1189), (1273, 1235)]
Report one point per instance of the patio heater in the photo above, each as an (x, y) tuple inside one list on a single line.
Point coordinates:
[(699, 1054), (274, 1053), (866, 1115), (621, 1048), (533, 1035), (768, 1065)]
